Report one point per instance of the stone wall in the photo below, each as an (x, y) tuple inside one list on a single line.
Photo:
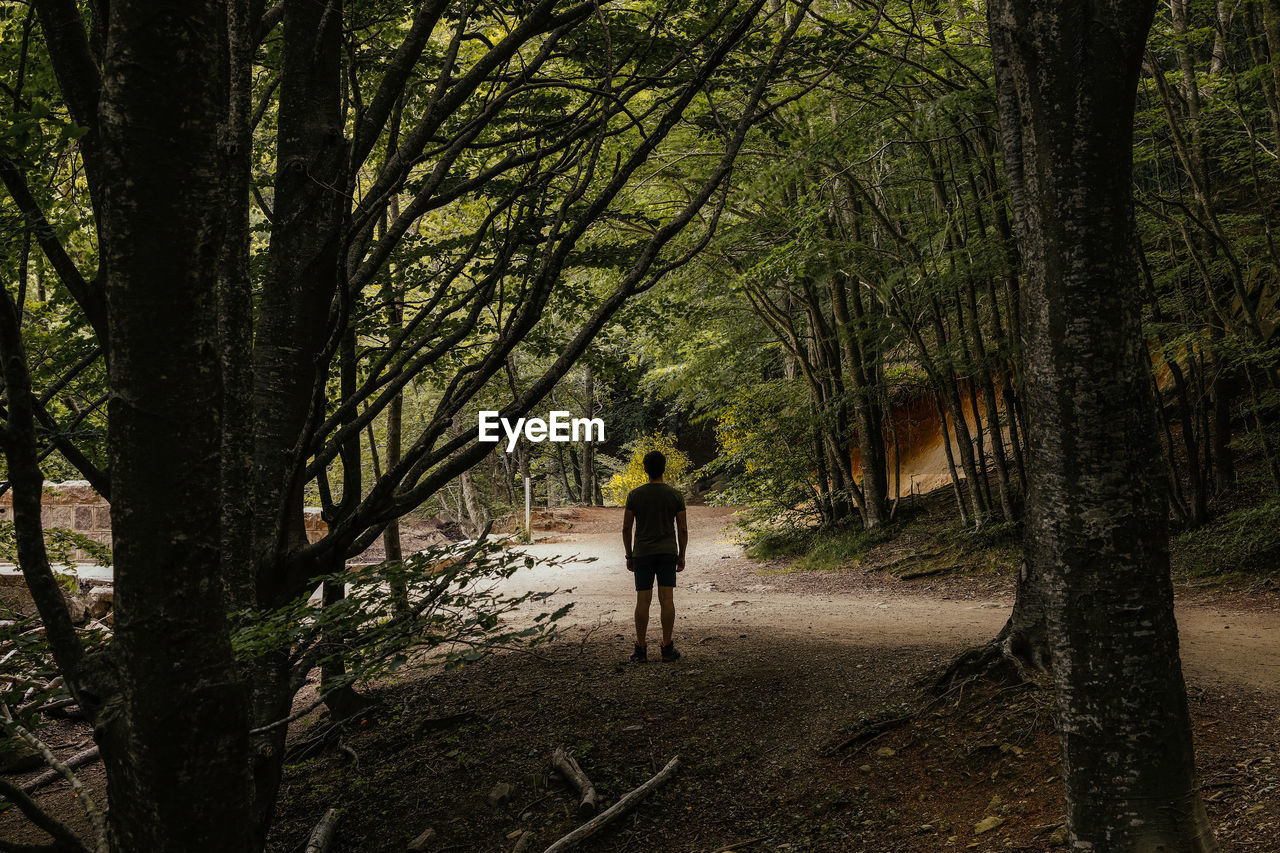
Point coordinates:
[(72, 505)]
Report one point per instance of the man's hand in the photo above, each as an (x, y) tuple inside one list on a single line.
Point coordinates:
[(628, 522), (682, 538)]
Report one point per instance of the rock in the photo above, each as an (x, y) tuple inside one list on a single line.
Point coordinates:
[(17, 757), (886, 752), (987, 824), (500, 794), (866, 768), (995, 804), (636, 728), (1058, 838), (421, 843), (76, 608), (99, 601)]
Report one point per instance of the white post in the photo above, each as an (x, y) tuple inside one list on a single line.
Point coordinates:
[(528, 507)]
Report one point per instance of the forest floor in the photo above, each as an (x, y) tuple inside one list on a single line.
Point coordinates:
[(779, 667)]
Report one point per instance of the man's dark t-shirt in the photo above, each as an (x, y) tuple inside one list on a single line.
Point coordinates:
[(655, 506)]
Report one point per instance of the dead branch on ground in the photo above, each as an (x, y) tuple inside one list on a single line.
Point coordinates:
[(617, 810)]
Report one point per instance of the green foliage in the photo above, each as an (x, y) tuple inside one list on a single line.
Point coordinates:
[(634, 476), (1240, 543), (454, 607), (766, 451), (823, 550), (60, 543), (31, 679)]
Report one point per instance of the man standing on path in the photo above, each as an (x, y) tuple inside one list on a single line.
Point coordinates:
[(657, 513)]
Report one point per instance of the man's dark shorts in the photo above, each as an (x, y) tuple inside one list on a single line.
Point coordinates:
[(661, 566)]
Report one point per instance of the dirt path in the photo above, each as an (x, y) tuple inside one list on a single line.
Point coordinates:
[(722, 591), (778, 666)]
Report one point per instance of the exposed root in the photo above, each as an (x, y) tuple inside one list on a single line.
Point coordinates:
[(868, 732), (1009, 659), (1001, 661)]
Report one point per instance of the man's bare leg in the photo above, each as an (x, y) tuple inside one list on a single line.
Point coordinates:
[(643, 599), (667, 601)]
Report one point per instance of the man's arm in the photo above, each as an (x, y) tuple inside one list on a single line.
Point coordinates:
[(682, 538), (628, 521)]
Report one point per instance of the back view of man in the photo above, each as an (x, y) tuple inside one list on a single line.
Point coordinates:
[(656, 552)]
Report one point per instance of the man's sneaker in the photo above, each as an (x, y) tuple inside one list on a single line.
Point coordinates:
[(640, 655), (669, 652)]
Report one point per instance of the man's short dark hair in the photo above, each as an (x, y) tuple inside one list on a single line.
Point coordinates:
[(654, 464)]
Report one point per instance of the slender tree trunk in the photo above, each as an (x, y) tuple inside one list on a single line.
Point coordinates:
[(589, 488), (563, 465), (951, 460), (341, 697), (949, 389), (301, 281), (175, 746), (867, 412), (393, 295), (473, 513), (1096, 520), (1224, 469)]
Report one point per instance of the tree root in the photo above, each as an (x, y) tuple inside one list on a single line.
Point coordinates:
[(1009, 659), (1000, 661)]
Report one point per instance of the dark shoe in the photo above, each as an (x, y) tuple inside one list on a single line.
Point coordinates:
[(640, 655), (669, 652)]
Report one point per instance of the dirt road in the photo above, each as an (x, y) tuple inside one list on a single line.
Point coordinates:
[(723, 592)]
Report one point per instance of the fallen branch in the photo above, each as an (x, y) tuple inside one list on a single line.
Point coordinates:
[(96, 818), (80, 759), (57, 830), (871, 731), (617, 810), (562, 761), (321, 837)]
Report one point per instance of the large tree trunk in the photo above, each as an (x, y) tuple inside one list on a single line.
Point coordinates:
[(175, 744), (301, 281), (1096, 521), (302, 276)]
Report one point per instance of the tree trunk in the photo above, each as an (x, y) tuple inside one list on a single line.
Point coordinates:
[(235, 315), (301, 281), (951, 459), (866, 409), (175, 746), (392, 293), (1096, 535), (589, 488)]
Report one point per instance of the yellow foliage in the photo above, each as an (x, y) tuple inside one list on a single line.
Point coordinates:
[(621, 483)]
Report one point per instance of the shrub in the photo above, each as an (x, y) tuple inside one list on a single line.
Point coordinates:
[(633, 475)]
